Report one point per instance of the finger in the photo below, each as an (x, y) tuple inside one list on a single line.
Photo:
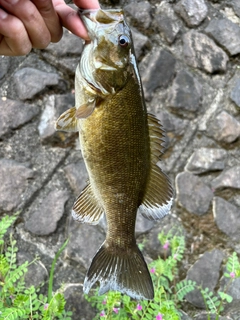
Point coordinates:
[(70, 19), (34, 24), (50, 17), (87, 4), (14, 39)]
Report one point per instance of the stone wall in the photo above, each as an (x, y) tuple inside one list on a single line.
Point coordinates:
[(189, 59)]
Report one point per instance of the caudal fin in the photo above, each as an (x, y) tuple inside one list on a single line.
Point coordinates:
[(124, 271)]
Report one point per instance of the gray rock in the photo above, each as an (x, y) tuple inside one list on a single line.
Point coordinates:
[(167, 22), (192, 11), (4, 65), (140, 18), (29, 82), (14, 177), (227, 217), (226, 34), (84, 241), (235, 93), (206, 274), (186, 93), (14, 114), (68, 45), (192, 193), (142, 224), (37, 272), (159, 72), (76, 302), (201, 52), (224, 128), (234, 289), (207, 316), (77, 176), (43, 220), (55, 105), (236, 6), (206, 159), (172, 123), (141, 42), (229, 178)]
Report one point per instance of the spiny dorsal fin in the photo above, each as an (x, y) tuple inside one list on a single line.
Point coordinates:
[(67, 121), (86, 208), (158, 196)]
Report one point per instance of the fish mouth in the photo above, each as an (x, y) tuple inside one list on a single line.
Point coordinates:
[(108, 19)]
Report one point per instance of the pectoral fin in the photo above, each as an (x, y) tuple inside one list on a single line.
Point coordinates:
[(67, 121), (85, 110), (86, 209), (158, 196)]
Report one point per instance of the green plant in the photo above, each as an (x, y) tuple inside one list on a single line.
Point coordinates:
[(17, 301), (169, 295)]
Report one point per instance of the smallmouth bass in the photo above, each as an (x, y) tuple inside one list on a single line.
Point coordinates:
[(121, 145)]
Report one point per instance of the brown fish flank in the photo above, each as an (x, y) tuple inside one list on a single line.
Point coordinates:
[(121, 145)]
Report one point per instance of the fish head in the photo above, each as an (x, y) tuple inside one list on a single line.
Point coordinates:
[(106, 58)]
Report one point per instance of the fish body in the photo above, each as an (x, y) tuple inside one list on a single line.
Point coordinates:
[(121, 145)]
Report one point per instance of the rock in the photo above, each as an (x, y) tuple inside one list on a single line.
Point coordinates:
[(4, 65), (77, 176), (14, 178), (206, 274), (229, 178), (159, 72), (192, 193), (55, 105), (193, 12), (236, 6), (186, 93), (14, 114), (76, 302), (142, 224), (220, 29), (201, 52), (140, 18), (167, 22), (84, 241), (224, 128), (43, 220), (206, 159), (172, 123), (68, 45), (235, 93), (29, 82), (227, 217), (206, 316), (140, 42), (37, 272)]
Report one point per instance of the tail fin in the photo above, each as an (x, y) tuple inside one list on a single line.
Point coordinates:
[(124, 271)]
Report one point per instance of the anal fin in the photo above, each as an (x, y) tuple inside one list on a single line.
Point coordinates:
[(158, 197), (86, 208), (67, 121)]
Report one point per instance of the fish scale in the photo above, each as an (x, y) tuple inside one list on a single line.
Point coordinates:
[(121, 145)]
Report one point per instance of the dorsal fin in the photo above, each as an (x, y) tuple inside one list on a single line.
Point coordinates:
[(86, 208), (158, 196)]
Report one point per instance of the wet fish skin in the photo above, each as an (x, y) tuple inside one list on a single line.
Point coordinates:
[(121, 145)]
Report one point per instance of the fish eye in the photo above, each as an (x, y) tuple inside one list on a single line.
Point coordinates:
[(123, 40)]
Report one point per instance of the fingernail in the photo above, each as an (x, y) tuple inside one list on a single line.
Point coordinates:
[(3, 14)]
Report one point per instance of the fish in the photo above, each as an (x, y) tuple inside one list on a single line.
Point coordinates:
[(121, 145)]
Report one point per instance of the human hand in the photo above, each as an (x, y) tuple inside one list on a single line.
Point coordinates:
[(26, 24)]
